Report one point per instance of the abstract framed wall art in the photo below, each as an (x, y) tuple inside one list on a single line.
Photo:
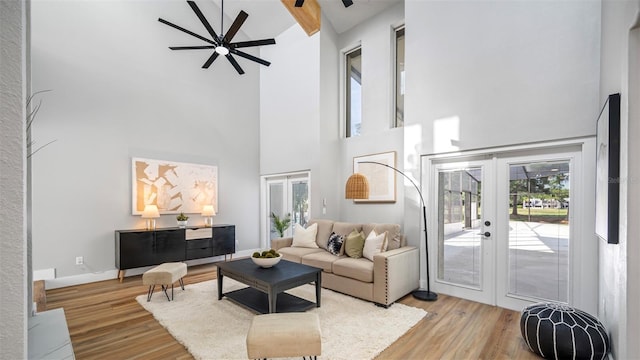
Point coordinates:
[(382, 180), (174, 187), (608, 170)]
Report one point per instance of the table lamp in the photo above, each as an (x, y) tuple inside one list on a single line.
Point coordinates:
[(208, 212), (150, 213)]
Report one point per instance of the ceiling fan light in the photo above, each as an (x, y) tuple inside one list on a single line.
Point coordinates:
[(222, 50)]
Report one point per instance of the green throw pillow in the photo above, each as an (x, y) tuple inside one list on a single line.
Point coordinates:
[(354, 243)]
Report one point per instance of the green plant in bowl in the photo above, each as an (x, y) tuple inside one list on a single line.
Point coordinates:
[(267, 258)]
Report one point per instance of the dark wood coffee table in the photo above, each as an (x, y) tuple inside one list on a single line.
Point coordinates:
[(265, 293)]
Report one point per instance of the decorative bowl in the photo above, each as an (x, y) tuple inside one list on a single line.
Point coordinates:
[(266, 262)]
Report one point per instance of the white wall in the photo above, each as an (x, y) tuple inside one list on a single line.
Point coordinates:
[(298, 113), (13, 256), (119, 92), (290, 102), (508, 72), (376, 37), (482, 74), (619, 270), (326, 183)]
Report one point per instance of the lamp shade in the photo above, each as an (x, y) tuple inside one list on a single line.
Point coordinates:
[(208, 210), (357, 187), (150, 212)]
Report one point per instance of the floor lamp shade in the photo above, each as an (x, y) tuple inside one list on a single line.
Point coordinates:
[(357, 187)]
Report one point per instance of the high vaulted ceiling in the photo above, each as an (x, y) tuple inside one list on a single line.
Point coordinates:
[(269, 18)]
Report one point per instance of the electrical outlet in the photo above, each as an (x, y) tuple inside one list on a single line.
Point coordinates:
[(79, 260)]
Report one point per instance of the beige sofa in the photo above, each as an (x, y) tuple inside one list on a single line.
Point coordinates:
[(391, 275)]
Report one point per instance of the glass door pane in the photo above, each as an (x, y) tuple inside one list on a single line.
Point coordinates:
[(539, 230), (287, 195), (300, 205), (276, 198), (459, 226)]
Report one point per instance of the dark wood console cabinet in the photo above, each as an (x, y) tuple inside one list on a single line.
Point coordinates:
[(139, 248)]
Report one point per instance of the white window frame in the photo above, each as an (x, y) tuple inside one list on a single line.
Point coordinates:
[(264, 204), (394, 59), (343, 86)]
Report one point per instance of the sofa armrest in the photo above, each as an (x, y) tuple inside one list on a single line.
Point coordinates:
[(281, 242), (395, 274)]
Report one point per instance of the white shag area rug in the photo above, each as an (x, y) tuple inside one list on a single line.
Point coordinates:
[(216, 329)]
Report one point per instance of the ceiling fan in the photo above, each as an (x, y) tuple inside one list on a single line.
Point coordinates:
[(221, 44), (346, 3)]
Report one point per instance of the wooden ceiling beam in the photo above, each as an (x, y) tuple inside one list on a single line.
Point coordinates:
[(308, 15)]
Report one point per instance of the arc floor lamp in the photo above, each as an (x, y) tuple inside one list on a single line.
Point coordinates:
[(358, 188)]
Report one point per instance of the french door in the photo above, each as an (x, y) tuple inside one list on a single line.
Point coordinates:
[(502, 226), (286, 195), (463, 210)]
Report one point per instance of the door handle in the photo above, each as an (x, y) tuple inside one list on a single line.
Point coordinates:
[(485, 234)]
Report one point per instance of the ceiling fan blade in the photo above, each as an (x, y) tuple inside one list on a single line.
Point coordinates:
[(242, 44), (235, 64), (299, 3), (203, 20), (192, 47), (210, 60), (347, 3), (237, 23), (187, 31), (250, 57)]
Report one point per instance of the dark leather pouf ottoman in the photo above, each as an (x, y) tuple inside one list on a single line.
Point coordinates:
[(558, 331)]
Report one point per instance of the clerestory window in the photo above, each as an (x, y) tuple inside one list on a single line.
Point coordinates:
[(353, 92), (399, 77)]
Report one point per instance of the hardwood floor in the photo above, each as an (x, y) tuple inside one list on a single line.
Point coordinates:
[(106, 322)]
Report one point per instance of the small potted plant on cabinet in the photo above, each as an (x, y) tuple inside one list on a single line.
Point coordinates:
[(182, 220)]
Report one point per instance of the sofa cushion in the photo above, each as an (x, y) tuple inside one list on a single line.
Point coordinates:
[(324, 231), (305, 237), (320, 259), (359, 269), (374, 244), (353, 244), (336, 244), (295, 254), (343, 228), (394, 236)]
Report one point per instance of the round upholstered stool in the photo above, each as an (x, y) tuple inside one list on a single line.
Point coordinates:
[(558, 331)]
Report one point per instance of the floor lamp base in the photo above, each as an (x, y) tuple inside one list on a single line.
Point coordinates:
[(425, 295)]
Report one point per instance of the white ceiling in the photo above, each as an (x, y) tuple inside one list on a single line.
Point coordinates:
[(344, 19), (269, 18)]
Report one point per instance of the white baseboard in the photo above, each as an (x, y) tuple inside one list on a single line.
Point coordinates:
[(44, 274), (54, 283), (80, 279)]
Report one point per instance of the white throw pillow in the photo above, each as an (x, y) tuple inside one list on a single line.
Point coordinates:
[(374, 244), (305, 237)]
